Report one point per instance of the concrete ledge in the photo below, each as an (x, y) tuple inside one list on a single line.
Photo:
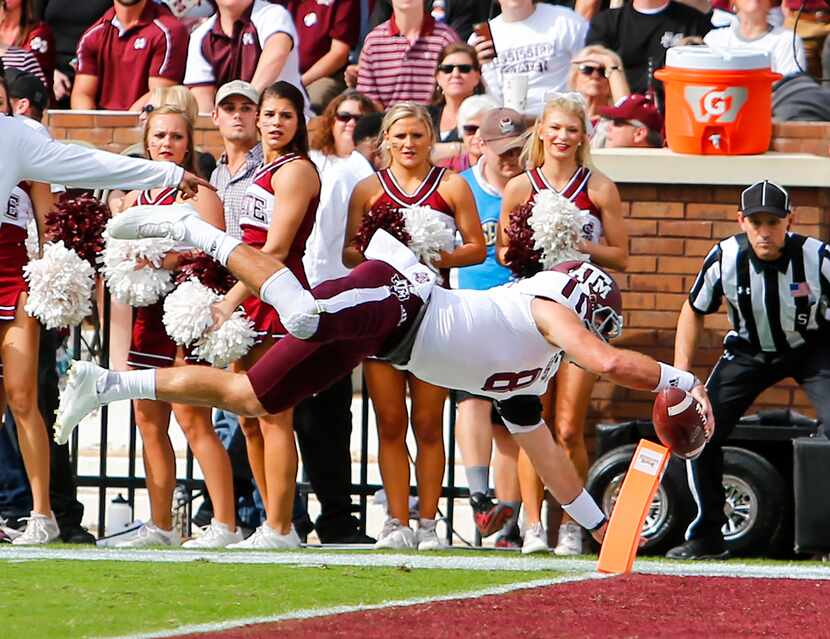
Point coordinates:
[(661, 166)]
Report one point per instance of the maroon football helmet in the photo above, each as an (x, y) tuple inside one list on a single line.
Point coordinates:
[(603, 316)]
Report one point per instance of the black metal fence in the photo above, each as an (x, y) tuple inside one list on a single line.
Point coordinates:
[(97, 348)]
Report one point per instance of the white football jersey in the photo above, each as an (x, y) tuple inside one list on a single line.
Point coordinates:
[(486, 342)]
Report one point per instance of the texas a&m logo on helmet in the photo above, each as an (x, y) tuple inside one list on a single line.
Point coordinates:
[(601, 306)]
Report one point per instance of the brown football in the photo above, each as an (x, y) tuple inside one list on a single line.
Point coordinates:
[(679, 422)]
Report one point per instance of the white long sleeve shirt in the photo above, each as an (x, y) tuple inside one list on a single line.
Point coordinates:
[(26, 154), (323, 259)]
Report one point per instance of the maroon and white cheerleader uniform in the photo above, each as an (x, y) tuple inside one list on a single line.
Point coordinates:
[(14, 223), (151, 346), (576, 191), (425, 195), (257, 210)]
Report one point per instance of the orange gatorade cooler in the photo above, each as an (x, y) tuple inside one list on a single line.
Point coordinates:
[(718, 101)]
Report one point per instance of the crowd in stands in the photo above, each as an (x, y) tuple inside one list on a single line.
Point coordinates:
[(487, 73)]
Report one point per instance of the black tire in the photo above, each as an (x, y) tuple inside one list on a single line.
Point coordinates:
[(756, 502), (671, 511)]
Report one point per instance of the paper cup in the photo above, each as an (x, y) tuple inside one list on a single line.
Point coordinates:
[(515, 91)]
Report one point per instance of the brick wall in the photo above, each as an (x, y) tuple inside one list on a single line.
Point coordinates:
[(801, 137), (114, 131), (672, 228)]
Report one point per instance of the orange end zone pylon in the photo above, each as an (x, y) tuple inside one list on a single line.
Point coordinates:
[(622, 538)]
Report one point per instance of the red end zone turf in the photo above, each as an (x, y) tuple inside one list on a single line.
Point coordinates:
[(631, 606)]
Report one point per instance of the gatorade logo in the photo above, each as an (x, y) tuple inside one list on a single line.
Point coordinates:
[(715, 104)]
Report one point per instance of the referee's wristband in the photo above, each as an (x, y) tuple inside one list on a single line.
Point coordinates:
[(671, 377)]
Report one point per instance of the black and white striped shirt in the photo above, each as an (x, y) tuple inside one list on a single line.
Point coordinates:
[(771, 305)]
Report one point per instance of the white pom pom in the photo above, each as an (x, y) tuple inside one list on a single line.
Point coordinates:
[(187, 311), (32, 240), (228, 343), (555, 225), (141, 287), (429, 233), (60, 287)]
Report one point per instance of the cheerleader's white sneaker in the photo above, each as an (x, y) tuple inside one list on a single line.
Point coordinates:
[(217, 535), (140, 222), (78, 399)]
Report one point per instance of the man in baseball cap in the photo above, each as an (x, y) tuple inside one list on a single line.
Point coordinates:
[(236, 87), (27, 94), (503, 130), (635, 121)]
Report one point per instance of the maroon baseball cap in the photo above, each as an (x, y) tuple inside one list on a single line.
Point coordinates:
[(503, 129), (635, 107)]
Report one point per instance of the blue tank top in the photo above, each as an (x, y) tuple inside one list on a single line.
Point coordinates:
[(489, 273)]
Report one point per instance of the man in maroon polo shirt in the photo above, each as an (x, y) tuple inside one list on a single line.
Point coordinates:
[(262, 48), (399, 56), (328, 31), (134, 47)]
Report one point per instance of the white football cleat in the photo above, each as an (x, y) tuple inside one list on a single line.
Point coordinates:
[(139, 222), (78, 399)]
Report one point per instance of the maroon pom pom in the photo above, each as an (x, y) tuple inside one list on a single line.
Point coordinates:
[(79, 222), (521, 257), (386, 217), (209, 272)]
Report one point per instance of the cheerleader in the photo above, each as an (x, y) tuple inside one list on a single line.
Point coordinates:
[(278, 214), (168, 136), (409, 180), (558, 154), (19, 343)]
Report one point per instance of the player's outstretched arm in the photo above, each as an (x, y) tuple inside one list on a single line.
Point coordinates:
[(562, 328)]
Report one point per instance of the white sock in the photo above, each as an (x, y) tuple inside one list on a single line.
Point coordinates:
[(208, 238), (296, 306), (127, 385)]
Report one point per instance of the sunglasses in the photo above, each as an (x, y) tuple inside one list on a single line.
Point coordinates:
[(148, 109), (449, 68), (470, 129), (590, 69), (621, 123), (345, 116)]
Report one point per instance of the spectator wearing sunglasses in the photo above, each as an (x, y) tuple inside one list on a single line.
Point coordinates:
[(323, 422), (460, 156), (457, 77), (597, 74), (633, 122)]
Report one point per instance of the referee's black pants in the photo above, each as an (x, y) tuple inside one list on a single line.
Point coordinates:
[(736, 380)]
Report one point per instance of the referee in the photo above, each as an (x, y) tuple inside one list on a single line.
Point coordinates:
[(776, 286)]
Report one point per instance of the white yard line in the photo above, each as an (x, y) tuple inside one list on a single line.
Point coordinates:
[(339, 610), (510, 561)]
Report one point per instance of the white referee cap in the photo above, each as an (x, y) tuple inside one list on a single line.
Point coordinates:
[(766, 197)]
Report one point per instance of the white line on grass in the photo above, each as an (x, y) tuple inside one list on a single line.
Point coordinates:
[(339, 610), (318, 557)]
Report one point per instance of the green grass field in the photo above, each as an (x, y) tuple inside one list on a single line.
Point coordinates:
[(51, 599)]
